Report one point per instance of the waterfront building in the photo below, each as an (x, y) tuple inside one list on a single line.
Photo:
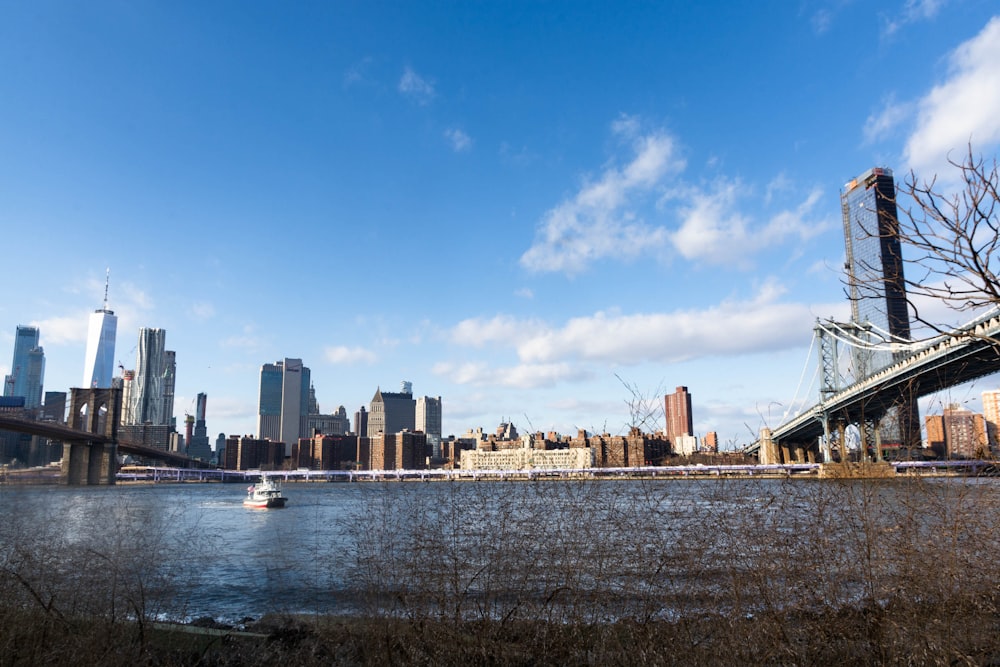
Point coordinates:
[(452, 448), (326, 452), (677, 413), (247, 453), (877, 289), (527, 458), (685, 445), (615, 451), (405, 450), (711, 442), (957, 433), (991, 415), (391, 412), (99, 360), (283, 402), (27, 369)]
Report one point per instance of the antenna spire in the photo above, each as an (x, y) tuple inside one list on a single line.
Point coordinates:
[(107, 279)]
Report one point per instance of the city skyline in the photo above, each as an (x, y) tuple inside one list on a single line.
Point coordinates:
[(531, 211)]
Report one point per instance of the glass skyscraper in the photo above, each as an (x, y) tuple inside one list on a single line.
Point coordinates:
[(876, 285), (27, 369), (151, 377), (99, 362), (877, 289), (283, 403)]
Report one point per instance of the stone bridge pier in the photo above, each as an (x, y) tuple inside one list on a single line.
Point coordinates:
[(91, 462), (772, 453)]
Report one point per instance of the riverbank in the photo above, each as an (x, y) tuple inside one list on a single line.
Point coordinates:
[(962, 629)]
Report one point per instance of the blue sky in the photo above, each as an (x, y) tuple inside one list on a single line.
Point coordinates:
[(537, 211)]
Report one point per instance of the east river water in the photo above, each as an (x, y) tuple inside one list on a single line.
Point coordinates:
[(606, 548)]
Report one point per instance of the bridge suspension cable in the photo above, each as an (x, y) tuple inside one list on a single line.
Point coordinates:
[(802, 375)]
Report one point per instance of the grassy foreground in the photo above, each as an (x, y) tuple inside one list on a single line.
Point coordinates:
[(628, 573)]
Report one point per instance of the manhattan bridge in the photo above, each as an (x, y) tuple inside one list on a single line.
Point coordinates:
[(890, 371)]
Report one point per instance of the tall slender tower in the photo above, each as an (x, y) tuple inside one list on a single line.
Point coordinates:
[(677, 410), (99, 362), (28, 368), (150, 374), (877, 289), (875, 280), (991, 414)]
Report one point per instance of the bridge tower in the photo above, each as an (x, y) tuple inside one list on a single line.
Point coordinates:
[(96, 411)]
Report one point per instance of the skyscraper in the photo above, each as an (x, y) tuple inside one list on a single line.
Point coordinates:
[(428, 420), (197, 441), (28, 368), (391, 412), (99, 362), (991, 414), (428, 415), (151, 370), (677, 410), (874, 265), (877, 288), (283, 403)]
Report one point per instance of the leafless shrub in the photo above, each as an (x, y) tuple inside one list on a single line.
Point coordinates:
[(694, 572)]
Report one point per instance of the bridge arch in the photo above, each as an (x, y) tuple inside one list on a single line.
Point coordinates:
[(95, 411)]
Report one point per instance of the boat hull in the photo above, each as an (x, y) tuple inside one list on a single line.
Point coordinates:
[(270, 503)]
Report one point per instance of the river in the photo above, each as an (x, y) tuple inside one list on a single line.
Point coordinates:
[(595, 550)]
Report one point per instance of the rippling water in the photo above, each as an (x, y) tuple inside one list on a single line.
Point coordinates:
[(185, 551)]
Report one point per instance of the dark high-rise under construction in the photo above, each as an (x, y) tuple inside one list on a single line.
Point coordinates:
[(877, 287)]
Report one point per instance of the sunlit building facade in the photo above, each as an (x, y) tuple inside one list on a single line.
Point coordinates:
[(283, 402), (99, 362), (677, 412)]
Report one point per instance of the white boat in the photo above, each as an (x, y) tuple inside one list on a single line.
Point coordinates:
[(265, 493)]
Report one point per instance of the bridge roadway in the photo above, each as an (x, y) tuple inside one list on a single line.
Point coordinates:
[(967, 354), (62, 433)]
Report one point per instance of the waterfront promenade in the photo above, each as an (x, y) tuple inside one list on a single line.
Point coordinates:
[(787, 470)]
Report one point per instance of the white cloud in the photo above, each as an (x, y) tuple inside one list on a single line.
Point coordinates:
[(714, 230), (822, 20), (62, 330), (358, 72), (763, 323), (416, 87), (202, 310), (891, 115), (477, 332), (459, 140), (521, 376), (964, 108), (603, 220), (349, 355), (913, 10), (524, 293), (599, 221), (248, 341)]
